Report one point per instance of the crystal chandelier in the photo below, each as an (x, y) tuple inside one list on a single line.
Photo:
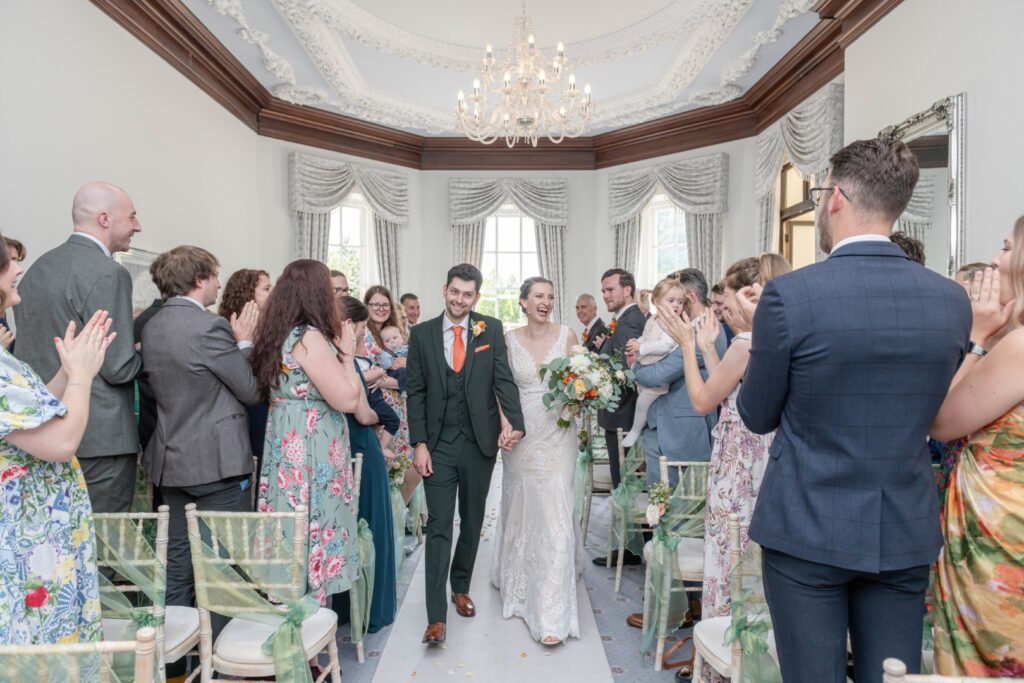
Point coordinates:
[(530, 98)]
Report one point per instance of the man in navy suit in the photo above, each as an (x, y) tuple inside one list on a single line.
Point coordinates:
[(850, 361)]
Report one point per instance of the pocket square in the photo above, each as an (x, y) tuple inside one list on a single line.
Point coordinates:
[(481, 348)]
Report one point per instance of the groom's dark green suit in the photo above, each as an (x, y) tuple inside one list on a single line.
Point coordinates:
[(456, 416)]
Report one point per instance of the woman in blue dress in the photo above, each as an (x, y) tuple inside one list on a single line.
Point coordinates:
[(48, 583), (374, 490)]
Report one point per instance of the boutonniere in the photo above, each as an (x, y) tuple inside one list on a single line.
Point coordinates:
[(612, 325), (478, 328)]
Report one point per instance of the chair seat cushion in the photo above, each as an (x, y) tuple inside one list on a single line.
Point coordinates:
[(709, 638), (241, 641), (180, 624), (689, 556), (602, 477)]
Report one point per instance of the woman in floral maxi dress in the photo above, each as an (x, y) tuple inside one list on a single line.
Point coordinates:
[(738, 456), (311, 382), (978, 596), (48, 582)]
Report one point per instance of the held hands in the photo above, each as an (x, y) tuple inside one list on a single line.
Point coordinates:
[(6, 337), (82, 356), (421, 460), (989, 315), (243, 324), (509, 437)]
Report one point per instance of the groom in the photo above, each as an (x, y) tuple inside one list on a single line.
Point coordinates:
[(457, 373)]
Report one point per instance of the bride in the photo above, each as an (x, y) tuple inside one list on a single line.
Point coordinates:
[(539, 549)]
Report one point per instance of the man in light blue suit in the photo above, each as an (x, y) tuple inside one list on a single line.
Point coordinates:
[(850, 361), (674, 429)]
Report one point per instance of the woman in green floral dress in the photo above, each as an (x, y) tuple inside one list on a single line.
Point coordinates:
[(48, 584), (979, 578), (303, 359)]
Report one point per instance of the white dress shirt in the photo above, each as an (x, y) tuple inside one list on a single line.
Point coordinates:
[(859, 238), (241, 345), (90, 237), (449, 339)]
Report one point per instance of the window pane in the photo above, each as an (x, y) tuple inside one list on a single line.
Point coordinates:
[(508, 233), (680, 220), (489, 234), (335, 234), (529, 235), (351, 222), (509, 311), (666, 228), (508, 271), (487, 307), (794, 187), (531, 266), (666, 261)]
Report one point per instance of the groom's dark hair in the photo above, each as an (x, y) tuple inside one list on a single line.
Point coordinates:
[(467, 272)]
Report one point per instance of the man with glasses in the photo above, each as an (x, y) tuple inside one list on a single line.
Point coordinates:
[(339, 282), (850, 360)]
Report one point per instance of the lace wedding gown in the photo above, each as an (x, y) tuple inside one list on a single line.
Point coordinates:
[(539, 550)]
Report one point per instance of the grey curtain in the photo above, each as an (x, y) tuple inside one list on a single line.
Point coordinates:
[(700, 187), (704, 241), (916, 219), (627, 242), (545, 200), (468, 243), (551, 252), (385, 234), (317, 186), (807, 136)]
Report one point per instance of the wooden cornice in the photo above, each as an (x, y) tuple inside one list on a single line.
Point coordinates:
[(174, 33)]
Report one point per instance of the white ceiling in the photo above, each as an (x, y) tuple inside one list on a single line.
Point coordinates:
[(400, 63)]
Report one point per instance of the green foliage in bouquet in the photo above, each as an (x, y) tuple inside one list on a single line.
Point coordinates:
[(582, 381)]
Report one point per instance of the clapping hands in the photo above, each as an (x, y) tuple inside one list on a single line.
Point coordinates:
[(243, 324), (747, 299), (81, 356), (346, 341), (679, 327), (990, 315), (6, 337)]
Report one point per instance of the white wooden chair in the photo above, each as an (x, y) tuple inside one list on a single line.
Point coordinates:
[(74, 662), (599, 475), (895, 671), (637, 519), (177, 630), (689, 559), (238, 649)]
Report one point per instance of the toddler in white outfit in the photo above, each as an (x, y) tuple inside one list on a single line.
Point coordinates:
[(654, 344)]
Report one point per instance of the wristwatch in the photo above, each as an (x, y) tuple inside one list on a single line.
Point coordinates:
[(977, 349)]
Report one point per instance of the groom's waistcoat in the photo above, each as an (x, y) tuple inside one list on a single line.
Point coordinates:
[(455, 419)]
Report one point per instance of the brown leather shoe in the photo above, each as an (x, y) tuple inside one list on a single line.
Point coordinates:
[(464, 604), (636, 620), (435, 633)]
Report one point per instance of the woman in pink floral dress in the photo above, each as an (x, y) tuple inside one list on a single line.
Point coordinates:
[(303, 359)]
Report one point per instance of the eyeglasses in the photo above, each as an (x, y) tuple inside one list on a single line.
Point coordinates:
[(379, 307), (816, 193), (341, 290)]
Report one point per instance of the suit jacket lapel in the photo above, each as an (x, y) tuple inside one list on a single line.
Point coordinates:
[(437, 337), (470, 346)]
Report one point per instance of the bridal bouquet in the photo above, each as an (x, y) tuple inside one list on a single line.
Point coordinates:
[(583, 381)]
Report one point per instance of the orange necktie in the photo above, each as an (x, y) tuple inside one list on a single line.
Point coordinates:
[(458, 349)]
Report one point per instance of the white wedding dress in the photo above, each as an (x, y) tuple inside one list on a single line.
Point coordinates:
[(539, 550)]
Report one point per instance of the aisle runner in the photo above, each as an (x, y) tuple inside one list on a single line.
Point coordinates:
[(487, 648)]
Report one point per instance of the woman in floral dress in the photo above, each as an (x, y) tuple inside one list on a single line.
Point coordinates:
[(303, 359), (978, 595), (738, 457), (48, 582)]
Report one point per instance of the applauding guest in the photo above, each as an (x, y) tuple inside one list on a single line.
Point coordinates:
[(850, 360), (304, 362), (45, 517), (198, 369), (977, 599), (71, 282)]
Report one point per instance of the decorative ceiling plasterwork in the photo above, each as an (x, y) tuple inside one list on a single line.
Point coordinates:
[(727, 89), (696, 28)]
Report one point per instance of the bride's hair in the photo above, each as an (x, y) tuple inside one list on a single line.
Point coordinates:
[(524, 290)]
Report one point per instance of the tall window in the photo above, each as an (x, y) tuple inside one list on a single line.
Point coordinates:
[(663, 248), (510, 256), (350, 245), (797, 238)]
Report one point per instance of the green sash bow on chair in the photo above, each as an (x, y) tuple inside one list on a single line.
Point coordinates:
[(362, 590), (625, 530)]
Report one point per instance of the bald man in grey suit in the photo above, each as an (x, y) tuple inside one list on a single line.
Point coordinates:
[(71, 282)]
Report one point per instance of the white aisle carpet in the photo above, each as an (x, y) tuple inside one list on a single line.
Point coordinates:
[(487, 647)]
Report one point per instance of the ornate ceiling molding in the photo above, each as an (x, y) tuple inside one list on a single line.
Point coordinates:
[(170, 30)]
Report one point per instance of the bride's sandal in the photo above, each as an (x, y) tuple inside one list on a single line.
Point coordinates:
[(550, 641)]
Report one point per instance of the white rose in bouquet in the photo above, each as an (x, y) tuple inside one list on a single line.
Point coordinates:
[(653, 514)]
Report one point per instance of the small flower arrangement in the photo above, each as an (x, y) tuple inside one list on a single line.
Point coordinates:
[(612, 326), (479, 327), (584, 380), (397, 469), (659, 496)]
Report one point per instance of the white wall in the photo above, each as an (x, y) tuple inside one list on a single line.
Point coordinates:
[(925, 50), (97, 104)]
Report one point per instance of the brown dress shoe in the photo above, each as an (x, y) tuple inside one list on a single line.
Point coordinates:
[(464, 604), (435, 633), (636, 620)]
